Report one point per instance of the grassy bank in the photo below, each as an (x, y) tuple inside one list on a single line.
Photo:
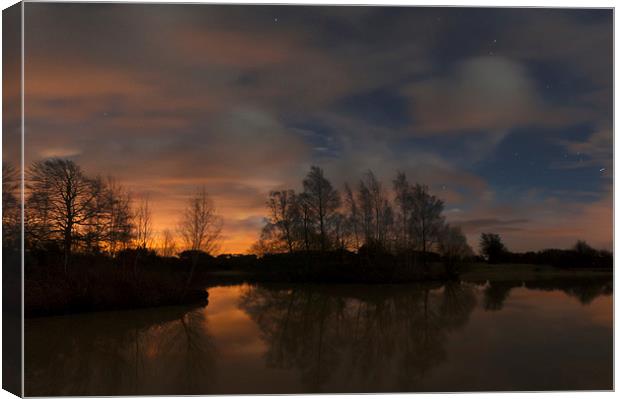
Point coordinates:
[(480, 272)]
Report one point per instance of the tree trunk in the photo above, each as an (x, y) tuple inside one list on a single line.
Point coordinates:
[(322, 234), (67, 248)]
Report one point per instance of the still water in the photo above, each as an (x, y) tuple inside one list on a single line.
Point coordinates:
[(542, 335)]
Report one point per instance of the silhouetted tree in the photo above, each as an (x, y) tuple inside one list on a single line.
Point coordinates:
[(143, 224), (120, 227), (402, 191), (168, 244), (341, 231), (62, 202), (352, 211), (379, 212), (453, 246), (364, 198), (96, 228), (307, 221), (426, 219), (11, 212), (266, 244), (322, 200), (200, 227), (492, 247), (284, 216), (582, 248)]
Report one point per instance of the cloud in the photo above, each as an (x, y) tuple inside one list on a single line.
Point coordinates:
[(171, 97), (531, 223), (492, 224), (489, 93), (595, 151)]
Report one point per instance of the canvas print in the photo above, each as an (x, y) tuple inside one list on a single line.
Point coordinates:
[(258, 199)]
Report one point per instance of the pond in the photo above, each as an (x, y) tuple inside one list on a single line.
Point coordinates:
[(276, 338)]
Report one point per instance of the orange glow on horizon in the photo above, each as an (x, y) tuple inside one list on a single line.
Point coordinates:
[(233, 240)]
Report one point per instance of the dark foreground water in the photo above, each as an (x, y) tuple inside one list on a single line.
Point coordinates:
[(545, 335)]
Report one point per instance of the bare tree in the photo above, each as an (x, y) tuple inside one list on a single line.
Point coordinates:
[(307, 221), (11, 212), (96, 228), (168, 244), (120, 226), (270, 241), (453, 246), (284, 217), (322, 199), (63, 199), (426, 219), (200, 227), (402, 191), (143, 224), (365, 208), (341, 231), (376, 210), (353, 214)]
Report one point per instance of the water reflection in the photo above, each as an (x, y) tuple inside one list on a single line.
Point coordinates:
[(511, 335), (358, 337), (584, 289), (154, 351)]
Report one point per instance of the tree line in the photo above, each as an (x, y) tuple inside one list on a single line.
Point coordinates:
[(581, 254), (402, 218), (68, 210)]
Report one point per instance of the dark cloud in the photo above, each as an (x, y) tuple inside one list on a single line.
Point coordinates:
[(497, 225)]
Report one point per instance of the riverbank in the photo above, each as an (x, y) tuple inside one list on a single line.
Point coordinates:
[(141, 280), (480, 272), (70, 295), (97, 283)]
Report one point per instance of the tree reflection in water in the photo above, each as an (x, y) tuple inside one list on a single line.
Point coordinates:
[(152, 351), (332, 338), (385, 337), (585, 289)]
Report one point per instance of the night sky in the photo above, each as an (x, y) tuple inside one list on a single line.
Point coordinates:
[(505, 113)]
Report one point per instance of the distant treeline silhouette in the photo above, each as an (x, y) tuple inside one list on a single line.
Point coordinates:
[(90, 244), (581, 255)]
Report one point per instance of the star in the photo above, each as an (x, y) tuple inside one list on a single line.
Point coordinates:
[(275, 19)]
